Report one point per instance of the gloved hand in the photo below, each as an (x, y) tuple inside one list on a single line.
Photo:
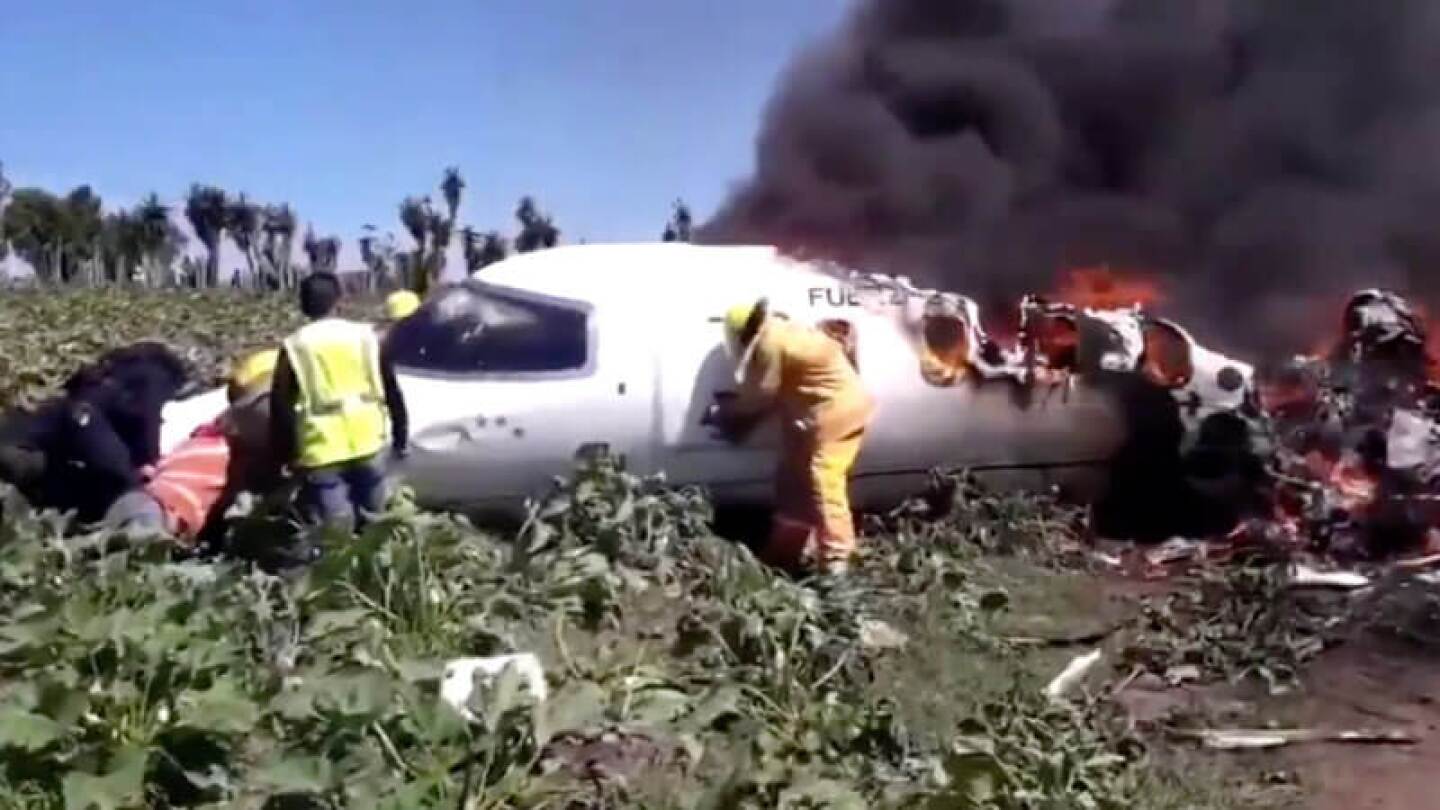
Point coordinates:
[(734, 428)]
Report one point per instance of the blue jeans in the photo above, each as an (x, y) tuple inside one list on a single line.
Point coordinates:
[(136, 512), (346, 495)]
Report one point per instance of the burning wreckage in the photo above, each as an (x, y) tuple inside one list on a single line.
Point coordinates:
[(1190, 460), (1356, 432), (1334, 453)]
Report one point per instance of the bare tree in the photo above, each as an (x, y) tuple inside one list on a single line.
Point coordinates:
[(160, 240), (679, 227), (432, 230), (415, 215), (379, 256), (243, 221), (120, 251), (441, 235), (323, 253), (206, 208), (279, 247), (483, 249), (452, 186), (537, 230)]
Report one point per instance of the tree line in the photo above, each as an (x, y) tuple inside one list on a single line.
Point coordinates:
[(70, 239)]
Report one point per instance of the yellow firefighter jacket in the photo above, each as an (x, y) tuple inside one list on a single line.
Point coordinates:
[(806, 374)]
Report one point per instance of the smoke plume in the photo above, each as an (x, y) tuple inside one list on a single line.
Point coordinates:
[(1266, 157)]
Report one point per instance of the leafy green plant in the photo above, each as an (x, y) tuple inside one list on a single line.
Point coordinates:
[(1022, 751), (637, 521), (1230, 624)]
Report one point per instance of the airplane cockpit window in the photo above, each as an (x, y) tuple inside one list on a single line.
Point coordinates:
[(477, 328)]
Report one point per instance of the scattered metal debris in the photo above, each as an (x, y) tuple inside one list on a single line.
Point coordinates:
[(1417, 563), (1303, 576), (1255, 739), (1072, 675)]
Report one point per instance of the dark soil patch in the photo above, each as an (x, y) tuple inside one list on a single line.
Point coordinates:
[(1366, 684), (1370, 684)]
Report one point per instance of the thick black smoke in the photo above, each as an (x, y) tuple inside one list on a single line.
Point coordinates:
[(1268, 156)]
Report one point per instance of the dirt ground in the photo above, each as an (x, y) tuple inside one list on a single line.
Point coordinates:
[(1366, 684), (1378, 685)]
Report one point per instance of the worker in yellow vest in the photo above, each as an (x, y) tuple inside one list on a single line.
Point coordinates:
[(335, 409), (804, 375)]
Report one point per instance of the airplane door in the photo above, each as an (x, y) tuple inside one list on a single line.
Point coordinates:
[(693, 366)]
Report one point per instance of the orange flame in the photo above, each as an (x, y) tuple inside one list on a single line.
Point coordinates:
[(1432, 351), (1104, 288), (1432, 342), (1288, 397), (1356, 489)]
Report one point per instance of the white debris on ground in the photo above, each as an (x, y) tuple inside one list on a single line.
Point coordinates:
[(878, 635), (463, 675), (1073, 674), (1255, 739), (1303, 576)]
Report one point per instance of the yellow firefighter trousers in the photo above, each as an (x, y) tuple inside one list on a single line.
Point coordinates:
[(813, 523)]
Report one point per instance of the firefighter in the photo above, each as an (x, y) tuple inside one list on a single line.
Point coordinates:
[(335, 406), (804, 375)]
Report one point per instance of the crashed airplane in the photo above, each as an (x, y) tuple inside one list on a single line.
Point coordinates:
[(511, 374)]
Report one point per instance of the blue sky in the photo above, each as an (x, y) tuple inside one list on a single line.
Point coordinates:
[(606, 110)]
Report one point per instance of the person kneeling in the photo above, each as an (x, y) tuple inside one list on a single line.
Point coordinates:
[(189, 489)]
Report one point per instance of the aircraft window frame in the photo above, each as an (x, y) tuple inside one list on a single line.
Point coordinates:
[(523, 296)]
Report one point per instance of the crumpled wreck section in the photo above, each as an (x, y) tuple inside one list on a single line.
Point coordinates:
[(1334, 453), (1357, 432)]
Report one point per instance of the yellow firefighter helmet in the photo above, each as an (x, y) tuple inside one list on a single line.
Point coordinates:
[(742, 318), (252, 373), (401, 304)]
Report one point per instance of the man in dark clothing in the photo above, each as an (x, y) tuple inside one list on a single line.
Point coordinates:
[(334, 396), (81, 451), (142, 378), (73, 457)]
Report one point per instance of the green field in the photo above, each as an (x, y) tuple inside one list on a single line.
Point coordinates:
[(681, 672)]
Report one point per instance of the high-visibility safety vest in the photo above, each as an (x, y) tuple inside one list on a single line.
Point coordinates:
[(340, 407)]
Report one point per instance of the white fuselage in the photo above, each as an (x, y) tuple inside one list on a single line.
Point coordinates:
[(488, 436)]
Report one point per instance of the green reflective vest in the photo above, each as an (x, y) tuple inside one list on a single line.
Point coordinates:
[(340, 407)]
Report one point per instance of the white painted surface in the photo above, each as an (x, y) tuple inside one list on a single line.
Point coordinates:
[(659, 359)]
